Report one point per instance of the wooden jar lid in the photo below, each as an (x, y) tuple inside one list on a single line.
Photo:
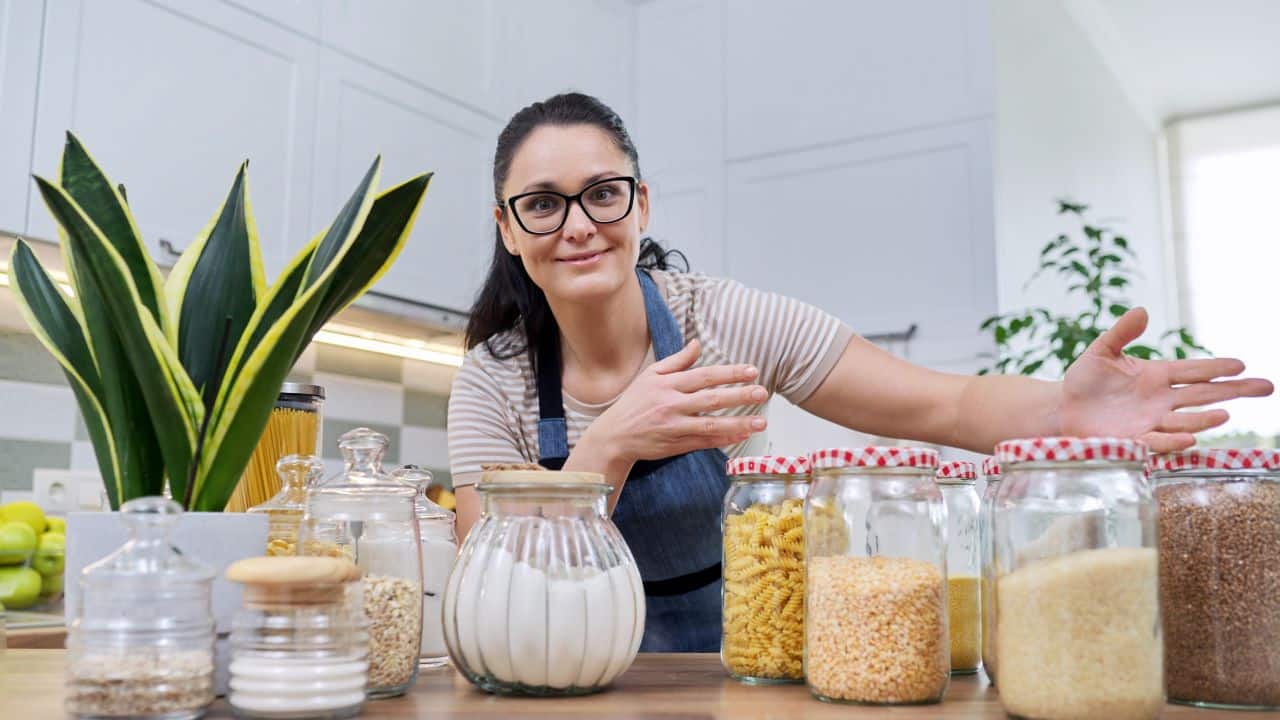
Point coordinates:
[(285, 581)]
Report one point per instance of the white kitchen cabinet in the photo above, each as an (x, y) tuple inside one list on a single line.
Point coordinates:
[(361, 114), (20, 37), (171, 97)]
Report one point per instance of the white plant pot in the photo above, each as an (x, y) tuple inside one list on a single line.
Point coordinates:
[(215, 539)]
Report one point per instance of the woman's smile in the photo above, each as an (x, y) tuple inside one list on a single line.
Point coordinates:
[(584, 259)]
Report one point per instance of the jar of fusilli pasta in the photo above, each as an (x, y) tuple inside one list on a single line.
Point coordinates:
[(764, 569)]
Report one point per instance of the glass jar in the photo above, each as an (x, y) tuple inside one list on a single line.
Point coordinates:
[(298, 646), (367, 516), (293, 428), (545, 598), (875, 588), (1077, 616), (991, 479), (439, 550), (1219, 530), (284, 511), (964, 619), (141, 643), (763, 525)]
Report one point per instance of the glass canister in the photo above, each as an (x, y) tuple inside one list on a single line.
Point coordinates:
[(141, 643), (299, 648), (367, 516), (1077, 615), (293, 428), (875, 589), (1219, 530), (284, 511), (439, 550), (956, 482), (545, 598), (991, 480), (763, 564)]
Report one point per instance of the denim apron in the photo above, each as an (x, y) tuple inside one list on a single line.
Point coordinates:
[(668, 512)]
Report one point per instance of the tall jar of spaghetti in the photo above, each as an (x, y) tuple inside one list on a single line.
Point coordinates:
[(763, 639), (293, 429)]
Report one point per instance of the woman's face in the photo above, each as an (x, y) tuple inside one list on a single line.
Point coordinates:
[(584, 260)]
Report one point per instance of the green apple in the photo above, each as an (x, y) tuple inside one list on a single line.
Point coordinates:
[(57, 524), (27, 512), (51, 554), (19, 587), (51, 586), (17, 542)]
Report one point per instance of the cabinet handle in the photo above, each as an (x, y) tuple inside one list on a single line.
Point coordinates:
[(168, 247)]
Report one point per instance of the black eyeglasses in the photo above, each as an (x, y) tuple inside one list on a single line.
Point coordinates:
[(543, 212)]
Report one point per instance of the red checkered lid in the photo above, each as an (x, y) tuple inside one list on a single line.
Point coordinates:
[(769, 465), (958, 470), (908, 457), (1070, 449), (990, 467), (1216, 459)]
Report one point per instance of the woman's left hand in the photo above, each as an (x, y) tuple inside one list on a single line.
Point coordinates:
[(1108, 393)]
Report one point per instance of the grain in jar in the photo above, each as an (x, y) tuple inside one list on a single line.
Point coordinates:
[(991, 477), (956, 482)]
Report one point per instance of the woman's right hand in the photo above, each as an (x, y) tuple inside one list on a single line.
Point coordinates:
[(667, 410)]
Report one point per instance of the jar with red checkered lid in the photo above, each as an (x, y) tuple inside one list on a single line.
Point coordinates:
[(956, 480), (875, 586), (763, 521), (991, 478), (1219, 530), (1077, 621)]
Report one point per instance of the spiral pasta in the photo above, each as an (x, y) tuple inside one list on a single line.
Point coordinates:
[(764, 591)]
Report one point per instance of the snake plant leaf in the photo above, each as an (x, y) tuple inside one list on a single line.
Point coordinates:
[(173, 407), (49, 316), (219, 276), (105, 205)]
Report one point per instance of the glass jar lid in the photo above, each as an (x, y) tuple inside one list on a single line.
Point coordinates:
[(784, 466), (293, 581), (1216, 460), (298, 473), (957, 472), (542, 481), (420, 479), (876, 458), (1050, 450), (362, 454), (991, 469)]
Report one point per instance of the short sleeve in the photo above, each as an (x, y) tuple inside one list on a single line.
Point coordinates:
[(480, 426)]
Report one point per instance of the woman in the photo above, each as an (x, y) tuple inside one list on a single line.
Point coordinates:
[(587, 352)]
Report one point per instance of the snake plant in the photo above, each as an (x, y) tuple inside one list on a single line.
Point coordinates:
[(176, 377)]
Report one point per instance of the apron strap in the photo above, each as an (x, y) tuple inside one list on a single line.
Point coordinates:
[(553, 433)]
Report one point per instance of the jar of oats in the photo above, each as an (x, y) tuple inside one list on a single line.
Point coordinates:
[(875, 585), (991, 479), (1219, 530), (763, 523), (369, 517), (1077, 616), (956, 481)]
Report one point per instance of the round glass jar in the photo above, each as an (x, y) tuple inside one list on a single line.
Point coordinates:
[(1219, 530), (964, 605), (763, 565), (545, 598), (298, 473), (875, 587), (439, 551), (141, 643), (991, 485), (299, 648), (1077, 615)]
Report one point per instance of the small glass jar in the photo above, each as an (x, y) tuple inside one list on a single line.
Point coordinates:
[(991, 479), (293, 428), (1077, 615), (763, 524), (964, 620), (298, 473), (1219, 530), (875, 589), (439, 550), (545, 598), (298, 646), (141, 643), (367, 516)]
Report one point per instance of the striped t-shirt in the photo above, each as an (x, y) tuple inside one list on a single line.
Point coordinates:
[(493, 409)]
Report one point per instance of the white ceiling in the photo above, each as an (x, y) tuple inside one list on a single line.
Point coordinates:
[(1186, 57)]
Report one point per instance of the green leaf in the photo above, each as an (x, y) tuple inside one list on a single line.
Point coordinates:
[(1109, 259), (1123, 244), (350, 219), (1145, 352), (1065, 206), (1117, 310), (1031, 368), (1180, 353), (986, 324), (1118, 282), (1002, 335)]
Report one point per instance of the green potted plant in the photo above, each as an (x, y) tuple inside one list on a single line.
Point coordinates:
[(176, 377)]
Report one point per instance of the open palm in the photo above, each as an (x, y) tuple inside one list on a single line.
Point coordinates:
[(1108, 393)]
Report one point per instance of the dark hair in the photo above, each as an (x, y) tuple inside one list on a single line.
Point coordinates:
[(509, 297)]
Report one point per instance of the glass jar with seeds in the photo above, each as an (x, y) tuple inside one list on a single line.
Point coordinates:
[(991, 478), (369, 517), (141, 642), (1077, 615), (1219, 530), (956, 482), (875, 584)]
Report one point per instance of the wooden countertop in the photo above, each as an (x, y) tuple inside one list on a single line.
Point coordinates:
[(670, 687)]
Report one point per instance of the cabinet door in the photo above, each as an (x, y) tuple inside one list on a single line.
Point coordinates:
[(171, 97), (363, 113), (20, 37)]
